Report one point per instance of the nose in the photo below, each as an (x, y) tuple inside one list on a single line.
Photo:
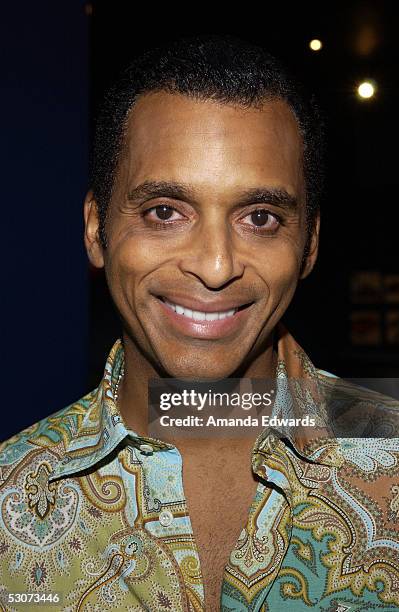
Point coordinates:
[(212, 255)]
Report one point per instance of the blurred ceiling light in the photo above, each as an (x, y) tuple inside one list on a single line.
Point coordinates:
[(315, 44), (366, 90)]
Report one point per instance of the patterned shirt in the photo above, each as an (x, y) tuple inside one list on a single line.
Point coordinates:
[(96, 513)]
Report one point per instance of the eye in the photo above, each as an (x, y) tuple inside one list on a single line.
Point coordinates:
[(263, 219), (161, 212)]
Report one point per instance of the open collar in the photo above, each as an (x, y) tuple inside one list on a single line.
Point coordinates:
[(96, 426), (95, 434), (301, 391)]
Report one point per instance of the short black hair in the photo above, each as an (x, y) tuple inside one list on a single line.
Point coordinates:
[(210, 67)]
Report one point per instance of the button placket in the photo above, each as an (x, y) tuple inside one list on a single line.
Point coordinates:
[(146, 449), (166, 518)]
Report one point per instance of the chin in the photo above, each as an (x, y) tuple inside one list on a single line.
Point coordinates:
[(194, 371)]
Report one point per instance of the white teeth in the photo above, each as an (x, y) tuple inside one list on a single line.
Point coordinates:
[(198, 315)]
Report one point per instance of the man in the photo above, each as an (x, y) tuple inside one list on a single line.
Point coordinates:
[(204, 214)]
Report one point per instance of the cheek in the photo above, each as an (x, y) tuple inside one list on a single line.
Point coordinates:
[(130, 264), (133, 258), (281, 272)]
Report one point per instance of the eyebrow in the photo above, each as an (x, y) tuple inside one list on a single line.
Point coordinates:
[(271, 195), (152, 189), (277, 196)]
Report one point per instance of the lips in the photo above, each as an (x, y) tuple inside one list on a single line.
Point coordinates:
[(194, 304), (212, 322), (198, 315)]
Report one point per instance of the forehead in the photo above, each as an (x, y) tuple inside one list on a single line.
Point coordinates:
[(171, 136)]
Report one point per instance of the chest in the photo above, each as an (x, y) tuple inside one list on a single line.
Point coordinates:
[(219, 489)]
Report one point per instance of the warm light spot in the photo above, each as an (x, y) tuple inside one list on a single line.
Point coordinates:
[(366, 90), (315, 44)]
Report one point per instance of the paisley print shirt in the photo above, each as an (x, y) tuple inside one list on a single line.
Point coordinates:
[(97, 514)]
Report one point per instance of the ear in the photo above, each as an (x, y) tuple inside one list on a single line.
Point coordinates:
[(311, 257), (91, 233)]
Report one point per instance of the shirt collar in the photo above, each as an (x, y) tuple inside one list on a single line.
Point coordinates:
[(96, 426), (301, 390)]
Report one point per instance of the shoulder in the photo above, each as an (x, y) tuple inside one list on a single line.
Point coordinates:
[(364, 417), (48, 437), (325, 373), (369, 398)]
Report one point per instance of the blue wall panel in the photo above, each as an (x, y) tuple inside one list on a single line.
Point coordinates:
[(44, 133)]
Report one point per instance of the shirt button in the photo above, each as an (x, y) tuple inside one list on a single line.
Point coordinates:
[(166, 518), (146, 449)]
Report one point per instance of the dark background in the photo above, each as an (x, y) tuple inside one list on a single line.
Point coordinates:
[(58, 58)]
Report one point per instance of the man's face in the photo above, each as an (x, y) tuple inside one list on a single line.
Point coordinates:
[(183, 227)]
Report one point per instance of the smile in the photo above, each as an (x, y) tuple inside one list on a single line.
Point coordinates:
[(206, 324), (198, 315)]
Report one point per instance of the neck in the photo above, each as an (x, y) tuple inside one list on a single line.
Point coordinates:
[(138, 370)]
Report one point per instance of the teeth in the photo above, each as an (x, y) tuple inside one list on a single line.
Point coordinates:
[(197, 315)]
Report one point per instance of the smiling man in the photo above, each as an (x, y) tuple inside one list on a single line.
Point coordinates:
[(204, 214)]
